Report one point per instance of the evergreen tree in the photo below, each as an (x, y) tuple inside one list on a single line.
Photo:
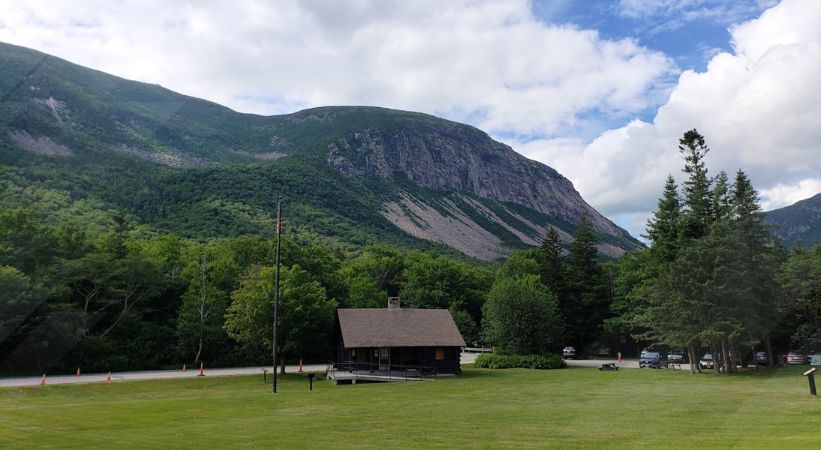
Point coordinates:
[(722, 208), (551, 262), (663, 229), (586, 303), (697, 195), (758, 256)]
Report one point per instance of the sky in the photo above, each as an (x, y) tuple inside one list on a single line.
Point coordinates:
[(599, 90)]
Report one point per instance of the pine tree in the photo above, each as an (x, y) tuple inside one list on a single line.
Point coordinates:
[(551, 262), (721, 207), (587, 302), (663, 229), (697, 195), (758, 258)]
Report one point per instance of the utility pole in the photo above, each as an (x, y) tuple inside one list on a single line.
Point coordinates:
[(276, 291)]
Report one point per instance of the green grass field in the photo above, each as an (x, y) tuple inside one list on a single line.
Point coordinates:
[(483, 408)]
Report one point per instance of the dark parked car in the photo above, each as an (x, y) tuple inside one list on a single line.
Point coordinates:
[(650, 359), (796, 357), (761, 359), (569, 352)]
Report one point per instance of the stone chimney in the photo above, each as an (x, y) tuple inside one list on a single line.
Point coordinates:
[(393, 303)]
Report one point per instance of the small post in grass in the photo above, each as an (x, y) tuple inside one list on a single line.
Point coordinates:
[(311, 381), (265, 376), (810, 374)]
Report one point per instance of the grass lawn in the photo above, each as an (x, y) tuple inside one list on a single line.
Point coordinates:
[(577, 407)]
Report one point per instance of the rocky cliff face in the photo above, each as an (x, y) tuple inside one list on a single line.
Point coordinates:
[(463, 158)]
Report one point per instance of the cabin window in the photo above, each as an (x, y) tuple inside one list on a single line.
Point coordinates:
[(353, 353), (440, 354)]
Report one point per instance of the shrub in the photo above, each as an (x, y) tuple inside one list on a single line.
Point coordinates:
[(497, 361)]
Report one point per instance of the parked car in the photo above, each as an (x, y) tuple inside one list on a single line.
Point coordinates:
[(706, 361), (795, 357), (676, 356), (650, 359), (761, 359), (815, 359), (569, 352)]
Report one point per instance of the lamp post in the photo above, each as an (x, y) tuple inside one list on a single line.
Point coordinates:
[(276, 292)]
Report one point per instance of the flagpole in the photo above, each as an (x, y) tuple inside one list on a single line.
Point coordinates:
[(276, 292)]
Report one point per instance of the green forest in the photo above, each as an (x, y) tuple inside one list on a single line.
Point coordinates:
[(84, 286)]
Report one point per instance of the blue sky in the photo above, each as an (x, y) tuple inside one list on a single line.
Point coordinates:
[(690, 32), (687, 31)]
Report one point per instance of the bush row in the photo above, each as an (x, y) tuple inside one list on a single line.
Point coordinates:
[(497, 361)]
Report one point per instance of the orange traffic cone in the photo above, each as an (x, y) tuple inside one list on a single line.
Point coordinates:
[(108, 378), (78, 371), (183, 368), (43, 379), (202, 368), (300, 365)]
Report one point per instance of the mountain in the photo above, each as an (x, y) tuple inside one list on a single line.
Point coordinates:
[(798, 222), (79, 142)]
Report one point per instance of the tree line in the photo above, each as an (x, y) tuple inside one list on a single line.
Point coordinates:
[(714, 278), (115, 296), (124, 299)]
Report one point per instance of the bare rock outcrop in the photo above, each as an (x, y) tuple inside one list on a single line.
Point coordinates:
[(463, 158)]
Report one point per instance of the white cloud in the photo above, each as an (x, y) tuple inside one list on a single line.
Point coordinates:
[(759, 109), (490, 63), (786, 194), (669, 14)]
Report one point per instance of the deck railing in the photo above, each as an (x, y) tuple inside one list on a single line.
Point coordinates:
[(393, 371)]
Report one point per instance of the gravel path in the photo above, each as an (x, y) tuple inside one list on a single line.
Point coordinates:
[(467, 358)]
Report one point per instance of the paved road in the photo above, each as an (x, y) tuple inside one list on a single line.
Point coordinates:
[(150, 375), (467, 358)]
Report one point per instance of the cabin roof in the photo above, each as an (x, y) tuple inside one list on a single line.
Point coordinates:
[(380, 327)]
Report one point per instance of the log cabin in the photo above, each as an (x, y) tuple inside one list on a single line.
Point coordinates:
[(399, 339)]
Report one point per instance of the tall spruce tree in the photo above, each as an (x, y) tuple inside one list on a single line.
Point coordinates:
[(587, 301), (551, 262), (760, 261), (698, 200), (663, 229), (722, 207)]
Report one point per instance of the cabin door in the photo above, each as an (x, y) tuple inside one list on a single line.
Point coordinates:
[(384, 358)]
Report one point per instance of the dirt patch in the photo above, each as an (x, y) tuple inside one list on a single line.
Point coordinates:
[(167, 157), (41, 145), (268, 156)]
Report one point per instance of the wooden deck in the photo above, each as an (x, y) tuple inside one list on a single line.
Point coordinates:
[(347, 373)]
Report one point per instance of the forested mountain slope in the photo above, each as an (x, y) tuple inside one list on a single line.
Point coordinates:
[(75, 140), (798, 222)]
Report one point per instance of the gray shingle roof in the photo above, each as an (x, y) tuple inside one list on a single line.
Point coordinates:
[(380, 327)]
